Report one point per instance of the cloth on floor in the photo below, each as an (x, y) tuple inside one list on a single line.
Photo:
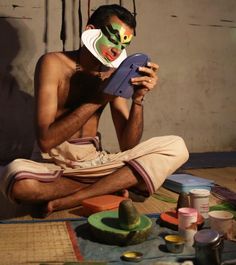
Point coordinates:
[(153, 248)]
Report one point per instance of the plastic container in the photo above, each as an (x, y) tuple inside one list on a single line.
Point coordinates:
[(199, 199), (102, 203), (186, 182), (222, 222), (187, 228)]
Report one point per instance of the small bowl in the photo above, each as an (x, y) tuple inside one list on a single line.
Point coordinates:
[(174, 243)]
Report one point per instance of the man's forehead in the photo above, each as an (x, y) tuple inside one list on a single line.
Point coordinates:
[(125, 34), (120, 27)]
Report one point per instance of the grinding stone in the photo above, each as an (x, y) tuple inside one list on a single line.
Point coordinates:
[(106, 229)]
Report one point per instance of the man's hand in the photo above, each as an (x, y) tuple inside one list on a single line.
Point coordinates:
[(129, 123), (146, 82)]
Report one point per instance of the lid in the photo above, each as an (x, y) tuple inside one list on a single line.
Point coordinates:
[(188, 180), (175, 239), (102, 203), (186, 211), (221, 215), (200, 192), (170, 219), (206, 236)]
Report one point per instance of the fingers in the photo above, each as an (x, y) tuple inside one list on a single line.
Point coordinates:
[(149, 78), (153, 66), (151, 69), (145, 81)]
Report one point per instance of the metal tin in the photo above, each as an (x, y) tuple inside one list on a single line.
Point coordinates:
[(133, 256), (208, 247), (174, 243)]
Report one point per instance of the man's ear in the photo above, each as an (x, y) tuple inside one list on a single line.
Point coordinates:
[(90, 26)]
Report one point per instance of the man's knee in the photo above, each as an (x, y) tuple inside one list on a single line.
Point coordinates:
[(181, 149), (25, 190), (174, 147)]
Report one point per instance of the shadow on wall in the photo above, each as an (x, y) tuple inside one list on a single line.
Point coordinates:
[(16, 106)]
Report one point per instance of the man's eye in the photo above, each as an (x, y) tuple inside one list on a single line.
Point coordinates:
[(112, 40), (115, 41)]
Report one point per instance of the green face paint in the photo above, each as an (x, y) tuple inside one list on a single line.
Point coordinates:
[(113, 36)]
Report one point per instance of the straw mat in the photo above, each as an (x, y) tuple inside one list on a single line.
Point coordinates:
[(36, 243)]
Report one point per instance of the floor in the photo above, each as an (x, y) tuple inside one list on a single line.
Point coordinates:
[(222, 176), (21, 233)]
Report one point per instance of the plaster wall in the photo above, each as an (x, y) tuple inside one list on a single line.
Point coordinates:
[(194, 42)]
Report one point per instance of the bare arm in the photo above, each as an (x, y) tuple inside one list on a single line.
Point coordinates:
[(129, 124), (53, 128)]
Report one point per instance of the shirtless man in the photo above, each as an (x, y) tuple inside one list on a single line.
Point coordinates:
[(69, 104)]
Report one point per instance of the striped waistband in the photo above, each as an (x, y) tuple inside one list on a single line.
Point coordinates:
[(87, 140)]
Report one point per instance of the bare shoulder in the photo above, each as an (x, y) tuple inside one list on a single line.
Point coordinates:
[(48, 72), (50, 59), (53, 66)]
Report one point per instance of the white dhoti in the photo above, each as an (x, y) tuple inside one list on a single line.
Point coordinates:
[(83, 160)]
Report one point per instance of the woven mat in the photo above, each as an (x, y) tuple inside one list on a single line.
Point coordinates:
[(36, 243)]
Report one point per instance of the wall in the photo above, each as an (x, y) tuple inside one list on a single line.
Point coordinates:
[(194, 42)]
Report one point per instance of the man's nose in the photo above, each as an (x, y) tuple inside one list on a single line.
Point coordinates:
[(116, 51)]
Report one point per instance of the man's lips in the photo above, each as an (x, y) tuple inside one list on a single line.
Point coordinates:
[(110, 57)]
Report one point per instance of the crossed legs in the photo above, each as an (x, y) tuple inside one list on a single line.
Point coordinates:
[(66, 193)]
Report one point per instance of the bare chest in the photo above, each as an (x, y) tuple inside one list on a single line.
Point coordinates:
[(77, 89)]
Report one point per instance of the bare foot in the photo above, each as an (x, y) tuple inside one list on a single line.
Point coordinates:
[(137, 196), (41, 210), (63, 203), (134, 195), (123, 193)]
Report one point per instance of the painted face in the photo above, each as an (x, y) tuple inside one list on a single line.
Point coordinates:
[(113, 36)]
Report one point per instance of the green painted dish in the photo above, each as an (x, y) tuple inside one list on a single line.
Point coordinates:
[(106, 229)]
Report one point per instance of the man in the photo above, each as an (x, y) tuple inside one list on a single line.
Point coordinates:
[(69, 103)]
